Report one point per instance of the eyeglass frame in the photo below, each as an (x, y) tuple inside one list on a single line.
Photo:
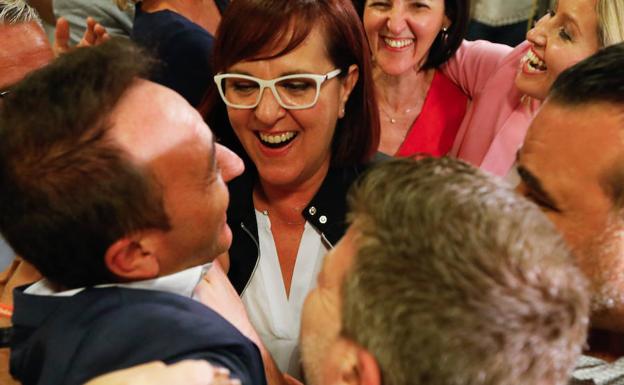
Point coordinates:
[(270, 84)]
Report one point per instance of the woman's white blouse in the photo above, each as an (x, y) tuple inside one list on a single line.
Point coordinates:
[(275, 316)]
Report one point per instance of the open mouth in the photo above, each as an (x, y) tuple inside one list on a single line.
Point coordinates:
[(276, 140), (534, 63), (398, 43)]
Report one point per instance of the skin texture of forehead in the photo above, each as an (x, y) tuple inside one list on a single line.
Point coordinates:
[(23, 49)]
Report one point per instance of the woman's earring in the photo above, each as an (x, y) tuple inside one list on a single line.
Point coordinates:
[(444, 35)]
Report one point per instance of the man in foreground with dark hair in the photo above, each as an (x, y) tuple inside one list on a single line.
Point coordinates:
[(114, 189), (445, 277), (572, 165)]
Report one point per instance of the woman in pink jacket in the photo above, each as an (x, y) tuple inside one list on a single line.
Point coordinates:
[(506, 86)]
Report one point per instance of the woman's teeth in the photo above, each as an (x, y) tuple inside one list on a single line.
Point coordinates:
[(534, 63), (398, 43), (276, 139)]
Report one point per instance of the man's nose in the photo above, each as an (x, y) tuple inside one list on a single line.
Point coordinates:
[(231, 165)]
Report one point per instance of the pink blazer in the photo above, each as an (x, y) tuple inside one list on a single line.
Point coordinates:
[(497, 118)]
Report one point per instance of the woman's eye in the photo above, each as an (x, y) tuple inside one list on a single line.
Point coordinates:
[(295, 85), (418, 5), (564, 34), (244, 86), (379, 4)]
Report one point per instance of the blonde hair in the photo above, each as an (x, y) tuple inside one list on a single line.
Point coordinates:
[(610, 21)]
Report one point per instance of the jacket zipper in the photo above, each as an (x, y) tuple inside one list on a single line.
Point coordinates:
[(257, 259)]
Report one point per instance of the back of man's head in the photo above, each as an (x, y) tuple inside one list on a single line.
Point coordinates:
[(17, 12), (597, 79), (67, 191), (457, 280)]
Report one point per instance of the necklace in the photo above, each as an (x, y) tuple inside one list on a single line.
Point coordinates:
[(393, 120), (284, 222)]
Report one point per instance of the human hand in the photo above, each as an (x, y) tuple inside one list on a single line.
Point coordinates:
[(187, 372), (95, 34)]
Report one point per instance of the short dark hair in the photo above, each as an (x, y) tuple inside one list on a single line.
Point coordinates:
[(458, 280), (458, 12), (67, 190), (598, 78), (250, 29)]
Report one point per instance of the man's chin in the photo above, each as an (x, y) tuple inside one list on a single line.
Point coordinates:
[(222, 243)]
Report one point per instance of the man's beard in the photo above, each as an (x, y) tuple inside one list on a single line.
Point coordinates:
[(602, 260)]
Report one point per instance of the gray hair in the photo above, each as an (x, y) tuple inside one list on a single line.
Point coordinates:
[(457, 280), (17, 12)]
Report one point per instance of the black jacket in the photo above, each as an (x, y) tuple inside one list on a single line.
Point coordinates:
[(69, 340), (326, 212)]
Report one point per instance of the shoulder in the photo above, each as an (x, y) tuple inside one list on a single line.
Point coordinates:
[(166, 27), (480, 52), (105, 329)]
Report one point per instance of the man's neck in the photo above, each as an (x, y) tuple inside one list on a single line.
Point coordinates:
[(606, 345)]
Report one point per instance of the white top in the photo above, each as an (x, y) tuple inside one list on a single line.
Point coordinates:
[(275, 316), (182, 283)]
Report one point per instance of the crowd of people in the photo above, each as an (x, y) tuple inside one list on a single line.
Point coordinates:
[(309, 192)]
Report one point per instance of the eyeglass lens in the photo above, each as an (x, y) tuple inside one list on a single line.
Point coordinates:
[(292, 92)]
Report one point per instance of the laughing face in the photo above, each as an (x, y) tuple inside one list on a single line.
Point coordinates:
[(559, 40), (400, 32), (292, 147), (564, 165)]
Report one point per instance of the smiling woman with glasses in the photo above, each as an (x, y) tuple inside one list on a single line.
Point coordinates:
[(295, 80)]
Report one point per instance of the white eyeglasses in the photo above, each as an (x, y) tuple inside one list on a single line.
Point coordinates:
[(293, 92)]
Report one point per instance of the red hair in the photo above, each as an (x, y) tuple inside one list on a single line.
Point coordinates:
[(251, 29)]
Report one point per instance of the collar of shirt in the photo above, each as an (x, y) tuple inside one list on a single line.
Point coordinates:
[(594, 371), (182, 283)]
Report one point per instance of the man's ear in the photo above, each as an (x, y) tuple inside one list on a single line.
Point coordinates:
[(357, 365), (132, 258), (368, 368)]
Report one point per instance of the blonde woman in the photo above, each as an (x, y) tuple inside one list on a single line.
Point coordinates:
[(506, 86)]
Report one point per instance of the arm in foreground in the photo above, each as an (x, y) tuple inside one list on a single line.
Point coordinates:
[(187, 372), (216, 292)]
